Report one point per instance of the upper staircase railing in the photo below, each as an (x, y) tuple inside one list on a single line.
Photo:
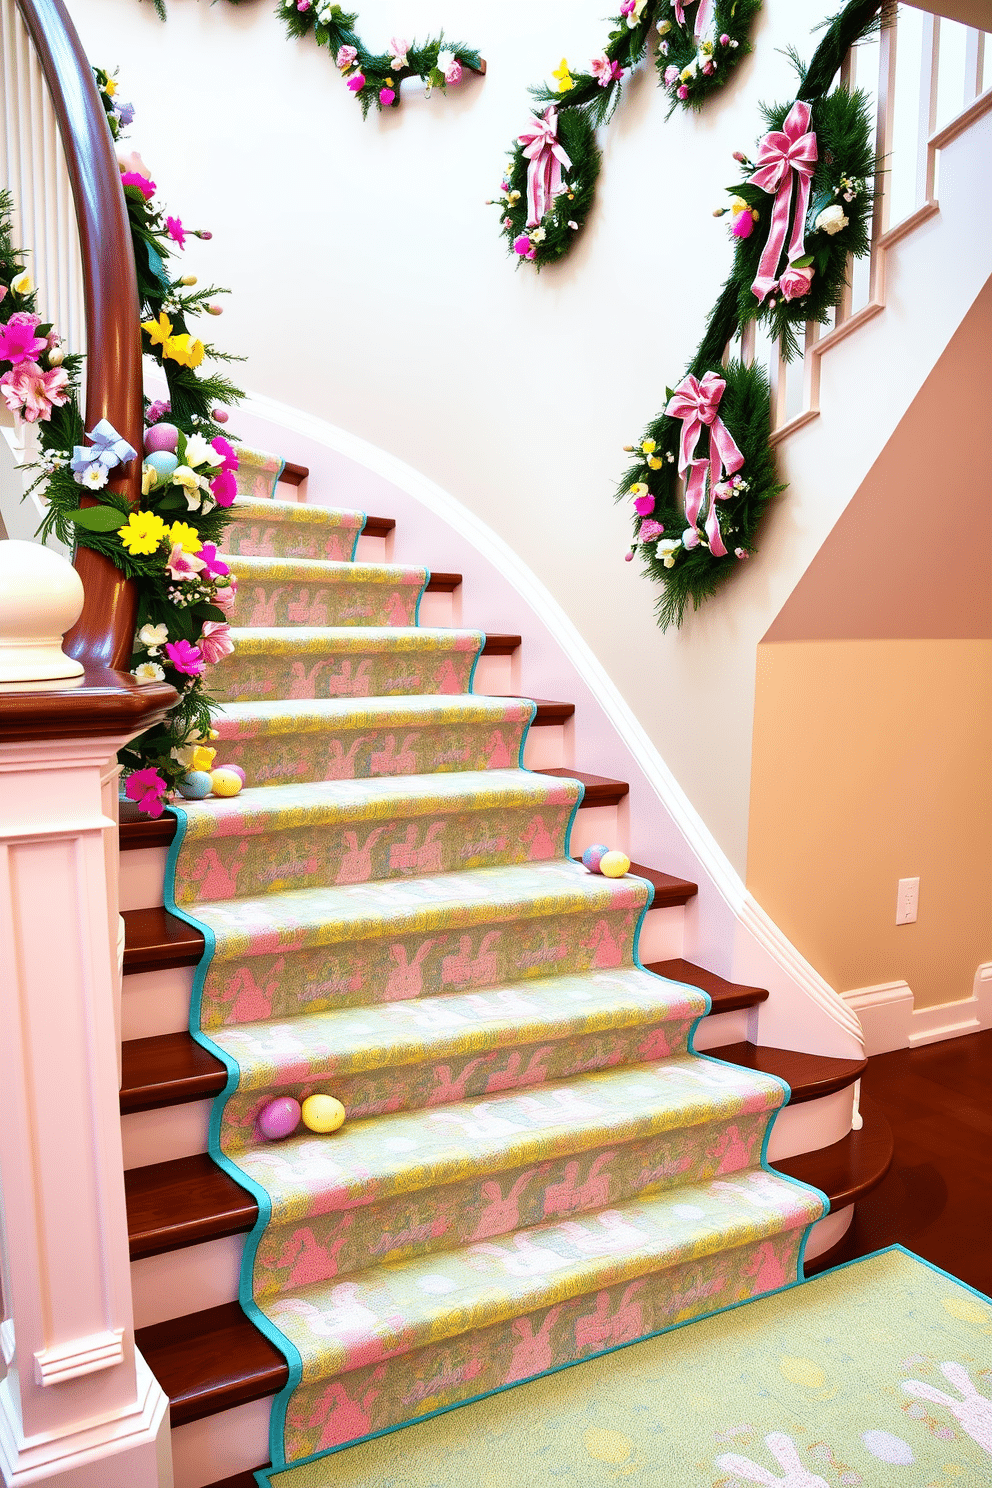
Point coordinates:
[(62, 169)]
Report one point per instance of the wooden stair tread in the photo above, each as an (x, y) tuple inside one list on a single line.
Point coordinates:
[(184, 1201), (167, 1070), (378, 526), (600, 790), (547, 710), (443, 583), (155, 939), (808, 1075), (727, 996), (209, 1361)]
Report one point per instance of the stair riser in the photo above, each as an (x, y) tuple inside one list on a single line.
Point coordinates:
[(274, 601), (483, 1208), (270, 669), (217, 1447), (262, 538), (351, 851), (377, 1396)]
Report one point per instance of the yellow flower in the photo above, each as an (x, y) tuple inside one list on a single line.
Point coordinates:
[(110, 87), (159, 330), (184, 350), (23, 284), (565, 79), (639, 488), (203, 758), (149, 478), (648, 446), (186, 536), (142, 532)]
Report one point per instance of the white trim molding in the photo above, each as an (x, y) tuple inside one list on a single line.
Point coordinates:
[(891, 1021)]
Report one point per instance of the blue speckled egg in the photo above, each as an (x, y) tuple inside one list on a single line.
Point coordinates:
[(163, 462), (195, 785)]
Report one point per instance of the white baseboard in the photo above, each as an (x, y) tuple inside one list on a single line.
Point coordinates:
[(890, 1021)]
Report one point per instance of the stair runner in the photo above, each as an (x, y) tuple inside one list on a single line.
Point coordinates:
[(536, 1166)]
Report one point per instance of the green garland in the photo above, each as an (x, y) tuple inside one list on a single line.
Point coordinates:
[(691, 561), (691, 68)]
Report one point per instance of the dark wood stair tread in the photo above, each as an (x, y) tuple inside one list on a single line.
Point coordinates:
[(185, 1201), (443, 583), (167, 1070), (547, 710), (294, 475), (726, 996), (378, 526), (808, 1075), (849, 1169), (600, 790), (155, 939), (210, 1361)]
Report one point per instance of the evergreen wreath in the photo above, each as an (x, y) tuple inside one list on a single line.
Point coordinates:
[(541, 218), (705, 469)]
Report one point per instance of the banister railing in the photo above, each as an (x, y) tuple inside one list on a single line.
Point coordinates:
[(49, 91)]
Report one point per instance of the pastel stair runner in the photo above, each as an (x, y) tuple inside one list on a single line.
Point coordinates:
[(535, 1166)]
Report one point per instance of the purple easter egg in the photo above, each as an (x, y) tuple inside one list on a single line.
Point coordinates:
[(161, 437), (234, 769), (593, 856), (279, 1118)]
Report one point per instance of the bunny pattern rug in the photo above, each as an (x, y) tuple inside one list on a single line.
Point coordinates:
[(876, 1375)]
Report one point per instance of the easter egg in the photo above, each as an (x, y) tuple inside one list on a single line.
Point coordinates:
[(322, 1113), (234, 770), (279, 1118), (593, 856), (195, 785), (614, 864), (161, 437), (225, 782), (163, 463)]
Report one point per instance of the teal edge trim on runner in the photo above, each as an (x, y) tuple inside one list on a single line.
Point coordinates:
[(258, 1193), (354, 546), (523, 741), (420, 596), (282, 467), (475, 665)]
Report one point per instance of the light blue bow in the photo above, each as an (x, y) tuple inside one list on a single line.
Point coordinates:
[(108, 449)]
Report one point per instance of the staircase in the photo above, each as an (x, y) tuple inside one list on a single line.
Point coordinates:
[(188, 1218)]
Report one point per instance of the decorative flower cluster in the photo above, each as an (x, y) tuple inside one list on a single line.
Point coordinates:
[(375, 78), (709, 56), (33, 380)]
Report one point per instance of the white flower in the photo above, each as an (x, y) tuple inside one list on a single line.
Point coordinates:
[(666, 549), (538, 235), (688, 73), (663, 28), (325, 16), (152, 637), (399, 58), (94, 476), (148, 671), (635, 15), (199, 450), (445, 60), (573, 225), (831, 220)]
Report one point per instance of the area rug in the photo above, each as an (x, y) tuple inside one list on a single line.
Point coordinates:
[(535, 1164), (878, 1374)]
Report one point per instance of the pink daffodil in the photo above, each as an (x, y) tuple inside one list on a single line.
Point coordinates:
[(185, 658), (215, 642), (224, 488), (182, 565), (176, 230), (33, 393), (147, 788), (18, 342), (212, 565), (144, 185), (605, 71)]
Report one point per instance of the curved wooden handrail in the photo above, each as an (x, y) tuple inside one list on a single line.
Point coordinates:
[(104, 633)]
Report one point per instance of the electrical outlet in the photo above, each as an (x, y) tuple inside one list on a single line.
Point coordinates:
[(907, 901)]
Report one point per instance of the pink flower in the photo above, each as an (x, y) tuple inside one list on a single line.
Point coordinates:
[(3, 292), (795, 282), (303, 4), (215, 642), (176, 231), (671, 74), (386, 96), (708, 69), (627, 7), (158, 410), (133, 162), (225, 598), (224, 488), (524, 246), (33, 393), (743, 225), (356, 82), (185, 658), (346, 56), (226, 448), (605, 71), (683, 91), (644, 505), (724, 39), (650, 530), (453, 71), (147, 788), (182, 565), (18, 342), (146, 187), (212, 565)]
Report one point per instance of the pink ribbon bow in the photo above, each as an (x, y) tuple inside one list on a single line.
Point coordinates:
[(703, 14), (696, 402), (546, 158), (782, 154)]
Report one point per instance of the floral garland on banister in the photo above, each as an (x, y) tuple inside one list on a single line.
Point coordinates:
[(549, 183), (704, 472), (168, 545)]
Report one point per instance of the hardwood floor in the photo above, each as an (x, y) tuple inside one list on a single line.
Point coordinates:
[(937, 1197)]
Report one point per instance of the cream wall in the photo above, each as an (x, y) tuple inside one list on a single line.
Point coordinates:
[(372, 288)]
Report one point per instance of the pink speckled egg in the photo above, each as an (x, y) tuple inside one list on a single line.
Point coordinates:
[(279, 1118), (161, 437), (593, 856)]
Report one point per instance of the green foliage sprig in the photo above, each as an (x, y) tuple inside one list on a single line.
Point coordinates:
[(837, 226), (691, 68)]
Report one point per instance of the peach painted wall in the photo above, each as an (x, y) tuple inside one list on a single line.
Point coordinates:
[(873, 708)]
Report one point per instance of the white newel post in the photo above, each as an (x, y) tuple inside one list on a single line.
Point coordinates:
[(78, 1406)]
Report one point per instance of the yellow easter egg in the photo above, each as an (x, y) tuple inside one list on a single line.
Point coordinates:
[(322, 1113), (225, 782), (607, 1446), (803, 1372), (966, 1310), (614, 864)]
